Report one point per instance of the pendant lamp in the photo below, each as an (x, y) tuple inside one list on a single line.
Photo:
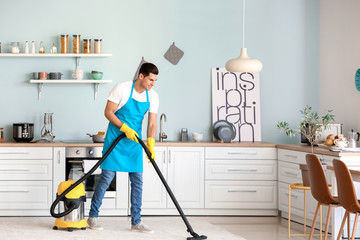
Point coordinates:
[(243, 63)]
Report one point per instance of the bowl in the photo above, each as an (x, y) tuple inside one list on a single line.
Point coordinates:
[(197, 137), (97, 76)]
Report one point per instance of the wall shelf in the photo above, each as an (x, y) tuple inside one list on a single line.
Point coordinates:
[(56, 55), (95, 82)]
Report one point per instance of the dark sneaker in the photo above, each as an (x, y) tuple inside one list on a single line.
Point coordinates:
[(141, 227), (92, 223)]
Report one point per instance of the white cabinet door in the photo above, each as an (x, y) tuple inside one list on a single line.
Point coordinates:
[(154, 193), (186, 176), (58, 168)]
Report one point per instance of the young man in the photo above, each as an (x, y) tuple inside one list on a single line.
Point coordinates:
[(126, 106)]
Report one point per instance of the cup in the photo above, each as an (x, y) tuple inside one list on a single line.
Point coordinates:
[(341, 142), (78, 74), (43, 75), (35, 75)]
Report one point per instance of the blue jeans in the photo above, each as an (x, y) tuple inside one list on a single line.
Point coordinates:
[(136, 179)]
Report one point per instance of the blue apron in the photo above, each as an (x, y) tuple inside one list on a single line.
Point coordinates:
[(127, 156)]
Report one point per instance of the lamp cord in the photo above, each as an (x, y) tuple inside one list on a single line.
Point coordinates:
[(243, 23)]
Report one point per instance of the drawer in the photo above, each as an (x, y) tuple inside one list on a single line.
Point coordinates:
[(241, 170), (25, 169), (25, 194), (240, 153), (291, 156), (289, 172), (241, 194), (25, 153)]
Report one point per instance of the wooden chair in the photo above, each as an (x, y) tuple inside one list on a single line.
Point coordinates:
[(347, 195), (320, 190)]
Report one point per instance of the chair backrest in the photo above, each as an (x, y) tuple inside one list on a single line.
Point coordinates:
[(345, 186), (318, 183)]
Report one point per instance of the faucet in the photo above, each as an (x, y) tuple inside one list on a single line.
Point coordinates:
[(162, 134)]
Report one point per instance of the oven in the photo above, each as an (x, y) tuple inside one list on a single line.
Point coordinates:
[(79, 160)]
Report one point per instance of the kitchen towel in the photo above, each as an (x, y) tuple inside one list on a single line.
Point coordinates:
[(89, 164)]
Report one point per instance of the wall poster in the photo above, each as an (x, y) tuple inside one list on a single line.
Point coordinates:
[(236, 99)]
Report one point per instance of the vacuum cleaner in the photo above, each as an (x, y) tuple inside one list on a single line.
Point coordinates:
[(73, 195)]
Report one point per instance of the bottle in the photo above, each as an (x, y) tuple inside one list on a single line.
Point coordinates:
[(33, 47), (41, 48), (53, 48), (2, 139), (26, 47), (0, 47)]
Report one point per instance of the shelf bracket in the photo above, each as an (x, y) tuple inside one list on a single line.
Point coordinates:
[(77, 62), (96, 88), (40, 90)]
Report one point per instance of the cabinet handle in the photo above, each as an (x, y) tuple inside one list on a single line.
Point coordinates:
[(59, 157), (14, 191), (169, 156), (241, 170), (14, 152), (243, 153), (290, 156), (242, 191), (291, 173), (164, 159), (14, 169)]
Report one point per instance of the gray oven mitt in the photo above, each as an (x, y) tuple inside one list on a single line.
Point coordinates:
[(174, 54)]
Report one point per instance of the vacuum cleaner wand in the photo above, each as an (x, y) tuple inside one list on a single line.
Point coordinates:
[(195, 236)]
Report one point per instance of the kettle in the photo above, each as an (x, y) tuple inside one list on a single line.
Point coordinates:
[(353, 137)]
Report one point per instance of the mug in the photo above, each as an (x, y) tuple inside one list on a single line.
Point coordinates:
[(43, 75), (78, 74), (341, 142), (35, 75)]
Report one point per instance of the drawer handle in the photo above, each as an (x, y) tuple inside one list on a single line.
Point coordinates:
[(241, 170), (291, 173), (293, 196), (14, 152), (243, 153), (14, 191), (290, 156), (242, 191), (14, 169)]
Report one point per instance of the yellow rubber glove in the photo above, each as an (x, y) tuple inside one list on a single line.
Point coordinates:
[(150, 143), (130, 133)]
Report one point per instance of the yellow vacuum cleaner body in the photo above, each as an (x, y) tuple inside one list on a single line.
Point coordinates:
[(74, 199)]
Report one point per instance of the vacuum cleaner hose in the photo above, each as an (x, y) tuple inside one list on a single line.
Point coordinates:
[(62, 195)]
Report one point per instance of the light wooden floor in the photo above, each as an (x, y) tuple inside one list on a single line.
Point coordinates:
[(250, 228)]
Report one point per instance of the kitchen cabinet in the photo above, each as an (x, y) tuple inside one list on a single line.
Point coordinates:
[(182, 167), (26, 180), (59, 55), (242, 180)]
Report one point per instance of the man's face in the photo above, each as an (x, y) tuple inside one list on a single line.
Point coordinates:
[(148, 81)]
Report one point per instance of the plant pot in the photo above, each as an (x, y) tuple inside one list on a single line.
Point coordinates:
[(305, 173)]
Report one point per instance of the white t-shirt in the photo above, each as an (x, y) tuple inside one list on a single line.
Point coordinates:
[(121, 93)]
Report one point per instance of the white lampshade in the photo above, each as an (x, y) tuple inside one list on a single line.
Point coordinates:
[(243, 63)]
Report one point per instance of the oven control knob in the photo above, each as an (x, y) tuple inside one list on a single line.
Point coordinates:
[(77, 152), (91, 152)]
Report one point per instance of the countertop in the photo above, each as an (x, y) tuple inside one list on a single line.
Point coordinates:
[(158, 144)]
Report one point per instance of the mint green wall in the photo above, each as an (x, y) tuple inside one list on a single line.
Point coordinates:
[(283, 34)]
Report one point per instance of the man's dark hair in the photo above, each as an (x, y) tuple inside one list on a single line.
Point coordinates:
[(148, 68)]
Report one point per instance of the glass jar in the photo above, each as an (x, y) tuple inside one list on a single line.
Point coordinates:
[(76, 44), (15, 47), (2, 139), (64, 43), (97, 45), (87, 45)]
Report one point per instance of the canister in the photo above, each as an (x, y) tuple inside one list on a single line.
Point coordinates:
[(15, 47), (76, 43), (64, 43), (97, 45), (87, 45)]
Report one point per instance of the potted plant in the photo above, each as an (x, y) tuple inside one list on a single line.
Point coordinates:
[(310, 126)]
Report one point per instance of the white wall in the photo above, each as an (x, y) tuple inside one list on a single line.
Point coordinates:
[(339, 60)]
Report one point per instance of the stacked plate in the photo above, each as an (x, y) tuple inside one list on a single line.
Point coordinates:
[(224, 131)]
